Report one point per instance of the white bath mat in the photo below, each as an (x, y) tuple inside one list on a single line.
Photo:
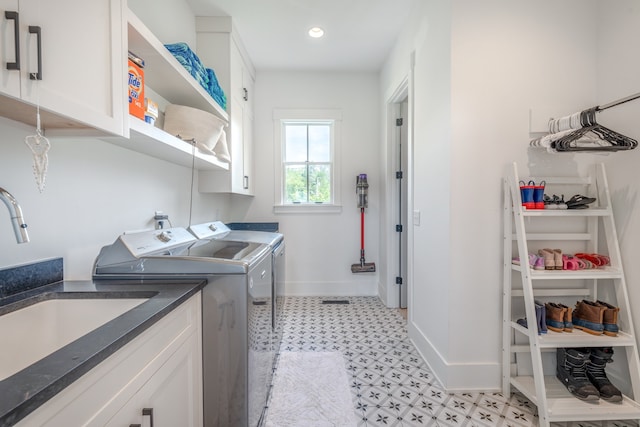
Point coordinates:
[(311, 389)]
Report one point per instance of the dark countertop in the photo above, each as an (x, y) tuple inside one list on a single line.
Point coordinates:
[(23, 392), (271, 227)]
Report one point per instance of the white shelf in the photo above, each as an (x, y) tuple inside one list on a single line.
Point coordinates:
[(147, 139), (168, 78), (592, 273), (563, 406), (577, 338), (556, 236), (165, 75), (554, 292), (565, 212)]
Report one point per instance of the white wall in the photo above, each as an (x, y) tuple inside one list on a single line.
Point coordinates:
[(479, 71), (322, 247), (170, 21), (94, 192), (618, 70), (429, 40)]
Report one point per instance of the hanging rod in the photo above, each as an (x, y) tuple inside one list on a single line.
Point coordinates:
[(618, 102)]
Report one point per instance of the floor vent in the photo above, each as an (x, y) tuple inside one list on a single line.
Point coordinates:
[(335, 301)]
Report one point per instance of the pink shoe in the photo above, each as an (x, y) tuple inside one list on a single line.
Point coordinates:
[(570, 263), (538, 264), (535, 262)]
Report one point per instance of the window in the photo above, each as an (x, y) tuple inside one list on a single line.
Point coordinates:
[(307, 162), (307, 142)]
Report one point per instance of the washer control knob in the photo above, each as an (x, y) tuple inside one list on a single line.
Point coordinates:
[(164, 236), (213, 227)]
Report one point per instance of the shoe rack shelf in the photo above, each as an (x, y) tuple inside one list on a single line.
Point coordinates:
[(562, 406), (522, 285), (577, 338)]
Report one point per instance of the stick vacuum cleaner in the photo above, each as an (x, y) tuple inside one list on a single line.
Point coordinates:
[(362, 187)]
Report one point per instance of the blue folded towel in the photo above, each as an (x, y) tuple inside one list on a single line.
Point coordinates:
[(215, 90), (204, 76)]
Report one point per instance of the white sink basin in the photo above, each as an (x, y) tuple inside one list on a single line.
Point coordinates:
[(31, 333)]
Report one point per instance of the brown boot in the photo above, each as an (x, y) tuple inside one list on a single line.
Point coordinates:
[(609, 319), (555, 316), (568, 322), (588, 316)]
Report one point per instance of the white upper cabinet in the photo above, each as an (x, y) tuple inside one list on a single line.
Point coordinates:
[(221, 47), (70, 58)]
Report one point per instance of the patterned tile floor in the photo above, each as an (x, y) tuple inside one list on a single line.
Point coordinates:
[(391, 385)]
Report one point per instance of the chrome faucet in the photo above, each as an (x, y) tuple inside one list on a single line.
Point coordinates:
[(19, 226)]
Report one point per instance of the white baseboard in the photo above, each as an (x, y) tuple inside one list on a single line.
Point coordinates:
[(456, 377), (352, 289)]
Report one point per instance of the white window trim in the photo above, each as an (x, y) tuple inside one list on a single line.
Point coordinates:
[(280, 115)]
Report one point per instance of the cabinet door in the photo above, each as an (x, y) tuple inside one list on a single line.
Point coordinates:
[(82, 59), (247, 151), (9, 76), (247, 131), (175, 391), (236, 118), (239, 180), (172, 396)]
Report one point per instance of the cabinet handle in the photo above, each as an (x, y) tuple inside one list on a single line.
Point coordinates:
[(12, 15), (135, 425), (34, 29), (246, 94), (245, 183), (148, 411)]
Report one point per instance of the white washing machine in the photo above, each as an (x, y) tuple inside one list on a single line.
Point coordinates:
[(236, 311)]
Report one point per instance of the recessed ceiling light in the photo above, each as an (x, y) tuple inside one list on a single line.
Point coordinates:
[(316, 32)]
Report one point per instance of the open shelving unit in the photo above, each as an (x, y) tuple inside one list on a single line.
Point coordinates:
[(554, 402), (169, 80)]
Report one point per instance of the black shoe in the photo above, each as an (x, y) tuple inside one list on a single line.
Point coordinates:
[(571, 370), (595, 372), (580, 202)]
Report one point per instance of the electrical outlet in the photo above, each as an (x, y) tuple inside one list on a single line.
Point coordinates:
[(160, 218)]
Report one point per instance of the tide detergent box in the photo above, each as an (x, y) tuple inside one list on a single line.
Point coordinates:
[(136, 86)]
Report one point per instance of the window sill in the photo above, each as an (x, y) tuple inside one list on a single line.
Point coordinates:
[(307, 209)]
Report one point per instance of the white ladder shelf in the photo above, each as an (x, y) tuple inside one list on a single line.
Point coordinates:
[(553, 400)]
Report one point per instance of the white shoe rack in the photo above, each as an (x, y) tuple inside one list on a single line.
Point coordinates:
[(529, 358)]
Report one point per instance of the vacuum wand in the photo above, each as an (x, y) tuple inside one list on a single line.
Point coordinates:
[(362, 188), (361, 237)]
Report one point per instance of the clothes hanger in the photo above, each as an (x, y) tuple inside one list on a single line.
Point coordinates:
[(593, 136)]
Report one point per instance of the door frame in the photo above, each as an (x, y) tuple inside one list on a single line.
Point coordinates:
[(403, 92)]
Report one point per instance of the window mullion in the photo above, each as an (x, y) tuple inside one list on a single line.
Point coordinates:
[(307, 165)]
